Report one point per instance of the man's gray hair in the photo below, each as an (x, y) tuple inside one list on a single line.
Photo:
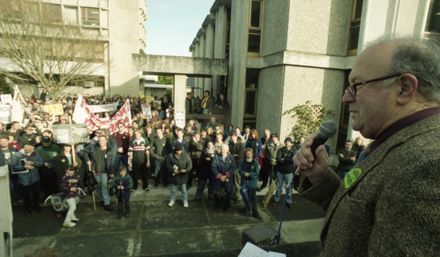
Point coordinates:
[(420, 57)]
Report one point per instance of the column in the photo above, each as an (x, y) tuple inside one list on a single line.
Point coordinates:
[(209, 45), (179, 99), (237, 59), (219, 43)]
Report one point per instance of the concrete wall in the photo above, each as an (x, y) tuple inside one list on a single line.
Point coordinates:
[(270, 98), (124, 41), (300, 86), (319, 26), (274, 34)]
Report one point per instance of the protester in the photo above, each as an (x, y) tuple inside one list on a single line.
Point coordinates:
[(100, 160), (285, 168), (387, 204), (223, 169), (123, 183), (48, 150), (347, 158), (178, 165), (25, 164), (249, 177), (139, 159), (204, 173), (158, 153), (69, 185)]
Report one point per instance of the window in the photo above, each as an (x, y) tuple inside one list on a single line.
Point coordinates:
[(70, 15), (255, 14), (251, 94), (51, 12), (90, 16), (355, 27), (254, 38), (433, 24)]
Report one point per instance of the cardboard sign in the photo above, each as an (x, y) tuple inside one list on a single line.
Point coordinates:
[(53, 109)]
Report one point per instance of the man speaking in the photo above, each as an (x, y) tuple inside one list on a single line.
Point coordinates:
[(388, 204)]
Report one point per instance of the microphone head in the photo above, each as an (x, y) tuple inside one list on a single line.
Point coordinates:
[(327, 128)]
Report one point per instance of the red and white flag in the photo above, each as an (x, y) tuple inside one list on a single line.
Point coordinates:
[(83, 115)]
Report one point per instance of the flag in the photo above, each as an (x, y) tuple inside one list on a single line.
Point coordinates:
[(83, 114)]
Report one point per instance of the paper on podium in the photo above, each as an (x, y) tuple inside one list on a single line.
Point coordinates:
[(251, 250)]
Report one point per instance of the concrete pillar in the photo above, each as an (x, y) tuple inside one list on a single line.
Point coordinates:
[(179, 96), (237, 59), (202, 42), (219, 43), (197, 83), (209, 53)]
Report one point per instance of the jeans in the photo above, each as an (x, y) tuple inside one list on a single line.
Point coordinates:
[(281, 179), (71, 212), (182, 189), (249, 196), (102, 189)]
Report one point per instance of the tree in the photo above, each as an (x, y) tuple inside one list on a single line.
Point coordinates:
[(43, 49), (166, 80), (308, 117)]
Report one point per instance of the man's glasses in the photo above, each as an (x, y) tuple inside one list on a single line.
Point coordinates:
[(352, 89)]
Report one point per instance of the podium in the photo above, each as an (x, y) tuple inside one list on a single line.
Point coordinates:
[(263, 235)]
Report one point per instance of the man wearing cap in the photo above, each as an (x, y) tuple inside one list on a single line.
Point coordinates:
[(179, 165), (48, 151), (284, 170), (25, 164)]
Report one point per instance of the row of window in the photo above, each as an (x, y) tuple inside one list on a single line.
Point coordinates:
[(55, 13)]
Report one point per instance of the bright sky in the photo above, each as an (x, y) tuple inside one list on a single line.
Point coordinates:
[(173, 24)]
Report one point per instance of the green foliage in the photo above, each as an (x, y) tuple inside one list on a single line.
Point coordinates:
[(308, 117), (5, 88), (166, 80)]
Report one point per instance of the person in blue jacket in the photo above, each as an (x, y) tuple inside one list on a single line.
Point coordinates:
[(25, 164)]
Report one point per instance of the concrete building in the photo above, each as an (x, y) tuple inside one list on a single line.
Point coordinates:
[(286, 52), (119, 24)]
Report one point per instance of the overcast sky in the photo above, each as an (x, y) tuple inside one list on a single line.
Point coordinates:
[(173, 24)]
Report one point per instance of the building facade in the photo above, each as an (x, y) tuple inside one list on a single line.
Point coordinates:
[(118, 24), (286, 52)]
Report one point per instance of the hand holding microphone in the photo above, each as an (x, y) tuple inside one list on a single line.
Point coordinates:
[(312, 159)]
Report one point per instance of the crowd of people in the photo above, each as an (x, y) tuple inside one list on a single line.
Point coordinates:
[(226, 163)]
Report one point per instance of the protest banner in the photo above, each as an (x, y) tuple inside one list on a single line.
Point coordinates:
[(70, 133), (53, 109), (5, 113), (103, 107), (83, 115), (6, 99), (146, 110)]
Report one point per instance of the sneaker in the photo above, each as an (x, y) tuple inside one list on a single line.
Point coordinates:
[(185, 203), (146, 189), (75, 219), (69, 224), (171, 203), (108, 207)]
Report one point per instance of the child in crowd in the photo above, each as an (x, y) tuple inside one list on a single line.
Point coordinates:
[(69, 185), (124, 184)]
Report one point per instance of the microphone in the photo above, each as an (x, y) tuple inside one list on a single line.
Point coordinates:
[(326, 129)]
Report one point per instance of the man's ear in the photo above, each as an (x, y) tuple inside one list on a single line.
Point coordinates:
[(408, 88)]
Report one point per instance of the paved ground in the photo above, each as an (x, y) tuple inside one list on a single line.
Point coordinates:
[(154, 229)]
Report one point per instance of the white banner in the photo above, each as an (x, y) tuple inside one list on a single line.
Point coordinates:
[(5, 113), (103, 107), (6, 99)]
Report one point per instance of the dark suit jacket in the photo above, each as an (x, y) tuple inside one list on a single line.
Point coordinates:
[(393, 208)]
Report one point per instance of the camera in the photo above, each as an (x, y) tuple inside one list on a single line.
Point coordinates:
[(23, 162)]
